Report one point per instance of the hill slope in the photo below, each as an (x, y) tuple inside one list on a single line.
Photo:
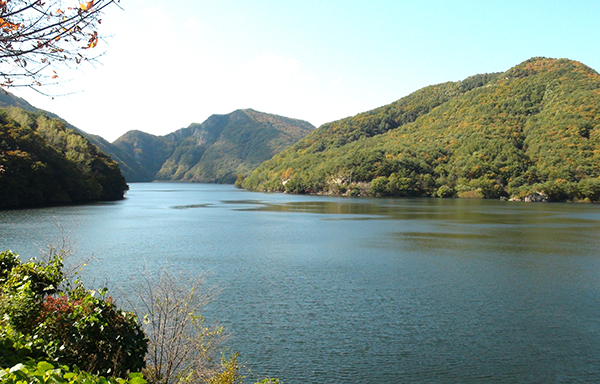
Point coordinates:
[(531, 132), (44, 163), (129, 166), (217, 150)]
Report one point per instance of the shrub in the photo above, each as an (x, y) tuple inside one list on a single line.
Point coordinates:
[(379, 186), (445, 191), (63, 322), (84, 324), (45, 372), (182, 349)]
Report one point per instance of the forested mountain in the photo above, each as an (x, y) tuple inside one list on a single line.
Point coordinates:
[(531, 132), (129, 166), (44, 163), (149, 151), (217, 150)]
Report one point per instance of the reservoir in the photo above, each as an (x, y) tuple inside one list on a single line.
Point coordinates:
[(316, 289)]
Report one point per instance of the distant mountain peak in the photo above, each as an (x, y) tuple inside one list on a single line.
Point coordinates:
[(218, 149)]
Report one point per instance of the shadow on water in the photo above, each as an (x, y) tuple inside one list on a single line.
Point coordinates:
[(472, 226), (457, 210), (191, 206)]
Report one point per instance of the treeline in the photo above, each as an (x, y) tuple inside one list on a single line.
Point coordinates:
[(529, 133), (43, 163)]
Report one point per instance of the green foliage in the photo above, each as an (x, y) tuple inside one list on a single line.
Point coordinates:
[(445, 191), (231, 373), (531, 130), (44, 316), (91, 326), (128, 165), (44, 372), (43, 163)]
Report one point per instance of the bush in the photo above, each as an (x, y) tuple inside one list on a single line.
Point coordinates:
[(181, 347), (45, 316), (92, 326), (45, 372), (379, 187), (55, 331), (445, 191)]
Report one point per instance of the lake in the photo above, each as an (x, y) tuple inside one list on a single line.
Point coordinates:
[(317, 289)]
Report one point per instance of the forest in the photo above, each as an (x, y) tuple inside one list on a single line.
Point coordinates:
[(44, 163), (530, 133)]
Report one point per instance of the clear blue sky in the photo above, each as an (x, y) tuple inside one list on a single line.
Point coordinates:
[(169, 64)]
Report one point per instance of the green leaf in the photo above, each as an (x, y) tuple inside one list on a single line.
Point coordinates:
[(18, 367), (136, 378), (45, 366)]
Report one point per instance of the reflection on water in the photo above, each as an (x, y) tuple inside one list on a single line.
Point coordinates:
[(343, 290), (188, 206)]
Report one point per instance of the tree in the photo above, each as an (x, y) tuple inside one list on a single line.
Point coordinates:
[(39, 36), (181, 347)]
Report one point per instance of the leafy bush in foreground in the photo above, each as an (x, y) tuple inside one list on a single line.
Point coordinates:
[(44, 372), (47, 318), (54, 331)]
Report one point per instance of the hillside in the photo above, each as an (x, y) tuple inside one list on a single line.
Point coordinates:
[(44, 163), (129, 166), (531, 132), (217, 150), (149, 152)]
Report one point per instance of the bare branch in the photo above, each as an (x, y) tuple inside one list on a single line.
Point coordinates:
[(37, 37), (181, 346)]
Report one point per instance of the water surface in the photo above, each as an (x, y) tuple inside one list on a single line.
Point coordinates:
[(342, 290)]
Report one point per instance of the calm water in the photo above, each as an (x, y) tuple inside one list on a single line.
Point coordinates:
[(340, 290)]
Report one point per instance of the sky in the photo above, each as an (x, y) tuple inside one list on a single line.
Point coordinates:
[(168, 64)]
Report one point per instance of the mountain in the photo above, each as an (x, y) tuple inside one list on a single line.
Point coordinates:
[(530, 133), (149, 151), (129, 166), (42, 162), (217, 150)]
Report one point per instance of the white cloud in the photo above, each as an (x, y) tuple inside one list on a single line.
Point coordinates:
[(192, 24), (336, 81)]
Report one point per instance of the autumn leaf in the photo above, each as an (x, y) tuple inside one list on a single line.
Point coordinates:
[(93, 40), (87, 6), (8, 26)]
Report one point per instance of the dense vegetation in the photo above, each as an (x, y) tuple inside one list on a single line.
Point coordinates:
[(54, 330), (530, 133), (215, 151), (47, 318), (130, 168), (44, 163)]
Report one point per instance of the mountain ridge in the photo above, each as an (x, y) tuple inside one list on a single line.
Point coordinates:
[(532, 130), (218, 149), (141, 156)]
